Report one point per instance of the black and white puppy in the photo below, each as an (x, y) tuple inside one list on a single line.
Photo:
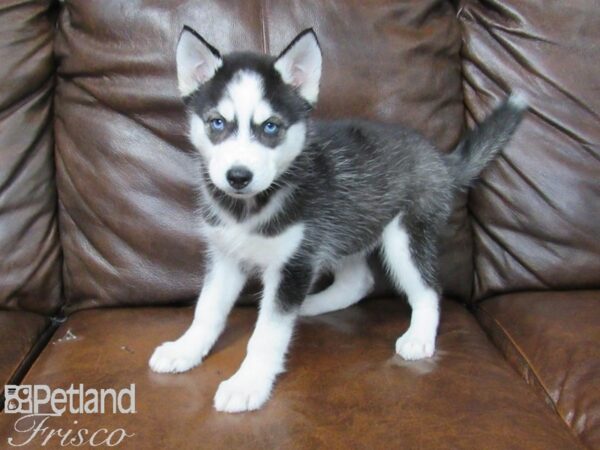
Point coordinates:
[(289, 197)]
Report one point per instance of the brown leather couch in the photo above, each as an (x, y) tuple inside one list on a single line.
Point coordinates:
[(100, 260)]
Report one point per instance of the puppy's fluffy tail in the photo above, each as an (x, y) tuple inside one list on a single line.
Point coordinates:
[(482, 144)]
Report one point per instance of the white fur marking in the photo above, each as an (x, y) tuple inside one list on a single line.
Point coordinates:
[(246, 91), (419, 340), (245, 97), (300, 66), (196, 64), (227, 109), (262, 112), (222, 285), (250, 387), (353, 281), (518, 99), (241, 242)]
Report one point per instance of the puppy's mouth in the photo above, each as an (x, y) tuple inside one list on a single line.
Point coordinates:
[(245, 194), (240, 194)]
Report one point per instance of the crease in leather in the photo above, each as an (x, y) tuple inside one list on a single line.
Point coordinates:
[(541, 386), (468, 82), (41, 260), (68, 178), (44, 87), (39, 97), (477, 89), (558, 212), (495, 238), (129, 117), (525, 62), (14, 5), (97, 256), (88, 208), (505, 11), (16, 103), (567, 132), (521, 175), (562, 388), (499, 8)]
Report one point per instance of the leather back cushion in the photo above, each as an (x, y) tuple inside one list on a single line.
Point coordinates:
[(125, 180), (29, 241), (537, 211)]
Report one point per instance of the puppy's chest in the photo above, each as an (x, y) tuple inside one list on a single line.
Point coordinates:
[(244, 244)]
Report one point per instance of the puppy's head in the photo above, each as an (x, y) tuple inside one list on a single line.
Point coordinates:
[(247, 111)]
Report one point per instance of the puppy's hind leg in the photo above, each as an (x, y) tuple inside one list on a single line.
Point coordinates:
[(352, 282), (411, 264)]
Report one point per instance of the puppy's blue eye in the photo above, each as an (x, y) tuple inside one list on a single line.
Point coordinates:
[(270, 128), (217, 124)]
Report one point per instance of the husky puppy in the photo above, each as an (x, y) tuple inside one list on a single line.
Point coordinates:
[(289, 197)]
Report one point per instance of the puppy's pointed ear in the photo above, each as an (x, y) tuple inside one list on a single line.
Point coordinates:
[(197, 61), (300, 65)]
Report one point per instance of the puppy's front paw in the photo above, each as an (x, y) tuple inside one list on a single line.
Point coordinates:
[(242, 392), (413, 345), (174, 357)]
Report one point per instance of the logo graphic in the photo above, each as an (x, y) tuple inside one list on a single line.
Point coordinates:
[(38, 404), (18, 399)]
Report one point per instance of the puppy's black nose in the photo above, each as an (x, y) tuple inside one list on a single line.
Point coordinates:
[(239, 177)]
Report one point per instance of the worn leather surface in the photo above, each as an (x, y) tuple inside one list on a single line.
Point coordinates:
[(19, 331), (344, 388), (553, 340), (124, 170), (535, 212), (29, 242)]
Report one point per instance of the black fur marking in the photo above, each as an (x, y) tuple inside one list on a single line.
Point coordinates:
[(282, 97), (189, 29), (297, 38), (423, 245), (296, 279)]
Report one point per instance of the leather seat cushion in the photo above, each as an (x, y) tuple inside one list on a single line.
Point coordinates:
[(345, 388), (553, 339)]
